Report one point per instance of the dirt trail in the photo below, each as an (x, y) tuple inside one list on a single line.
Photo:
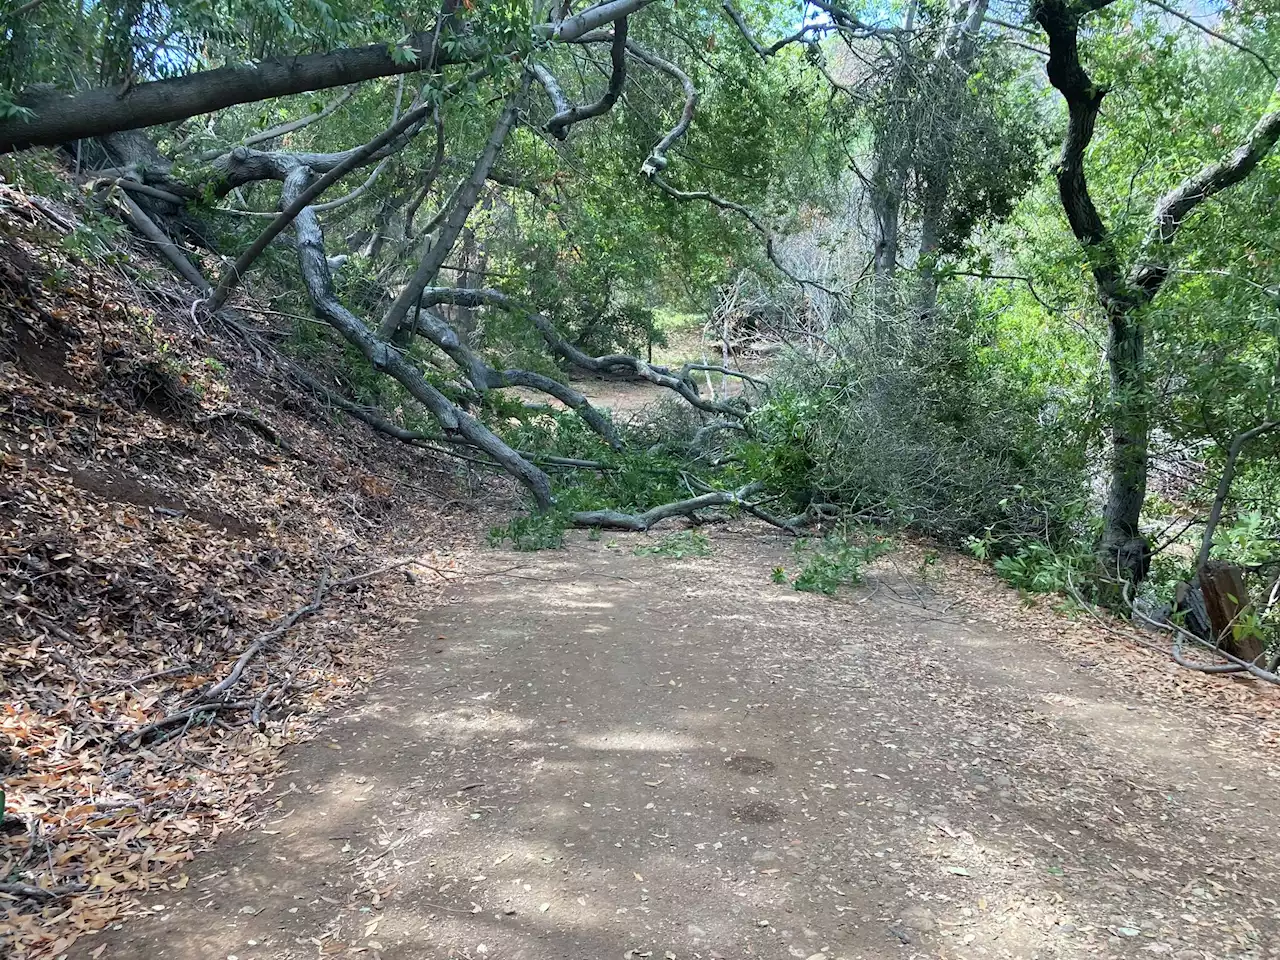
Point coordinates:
[(599, 755)]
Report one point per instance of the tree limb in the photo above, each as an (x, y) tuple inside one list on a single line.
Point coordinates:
[(763, 52), (386, 359), (1061, 21), (284, 128), (237, 669), (433, 172), (62, 117), (657, 159), (640, 522), (609, 365), (566, 116), (353, 159), (571, 29), (1173, 12), (1224, 487), (751, 218), (1172, 210), (457, 218), (147, 227)]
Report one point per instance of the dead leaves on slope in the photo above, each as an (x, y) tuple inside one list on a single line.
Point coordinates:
[(146, 540)]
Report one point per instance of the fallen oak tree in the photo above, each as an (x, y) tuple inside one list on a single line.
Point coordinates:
[(387, 344)]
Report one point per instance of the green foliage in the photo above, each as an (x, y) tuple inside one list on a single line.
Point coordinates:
[(531, 532), (834, 561), (605, 329), (36, 171), (1037, 568), (1249, 540), (930, 429), (678, 546), (97, 237), (631, 480)]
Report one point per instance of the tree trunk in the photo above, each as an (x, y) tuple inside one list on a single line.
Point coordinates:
[(1127, 481), (886, 207), (935, 198), (61, 117), (1227, 601)]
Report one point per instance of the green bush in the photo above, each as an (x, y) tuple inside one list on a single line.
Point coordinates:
[(1037, 568), (531, 532), (918, 426), (686, 543)]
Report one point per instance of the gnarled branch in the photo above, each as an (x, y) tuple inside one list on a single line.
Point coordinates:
[(566, 116), (457, 218), (385, 359), (640, 522)]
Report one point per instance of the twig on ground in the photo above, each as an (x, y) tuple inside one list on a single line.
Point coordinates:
[(232, 678), (27, 891)]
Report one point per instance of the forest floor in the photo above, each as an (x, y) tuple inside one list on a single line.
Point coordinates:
[(595, 754), (581, 754)]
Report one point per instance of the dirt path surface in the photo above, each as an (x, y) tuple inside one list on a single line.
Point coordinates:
[(599, 755)]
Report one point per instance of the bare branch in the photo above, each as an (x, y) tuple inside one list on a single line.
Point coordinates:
[(133, 186), (611, 365), (311, 190), (724, 372), (147, 227), (433, 172), (291, 126), (457, 218), (848, 23), (328, 204), (1176, 205), (640, 522), (566, 116), (455, 422), (549, 83), (657, 160), (763, 52), (751, 218), (1224, 487), (572, 29)]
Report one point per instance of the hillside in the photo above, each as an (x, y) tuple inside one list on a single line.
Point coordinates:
[(165, 504)]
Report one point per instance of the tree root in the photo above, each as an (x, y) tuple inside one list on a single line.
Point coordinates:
[(27, 891)]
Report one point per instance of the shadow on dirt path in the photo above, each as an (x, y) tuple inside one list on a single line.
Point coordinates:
[(598, 755)]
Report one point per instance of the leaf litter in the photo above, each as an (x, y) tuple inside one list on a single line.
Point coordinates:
[(151, 531)]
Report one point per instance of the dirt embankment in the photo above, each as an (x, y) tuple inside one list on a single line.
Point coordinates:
[(164, 501)]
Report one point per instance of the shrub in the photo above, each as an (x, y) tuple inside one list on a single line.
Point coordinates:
[(686, 543), (914, 426)]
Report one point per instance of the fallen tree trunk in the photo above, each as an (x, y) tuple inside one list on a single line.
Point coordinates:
[(61, 117), (640, 522)]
